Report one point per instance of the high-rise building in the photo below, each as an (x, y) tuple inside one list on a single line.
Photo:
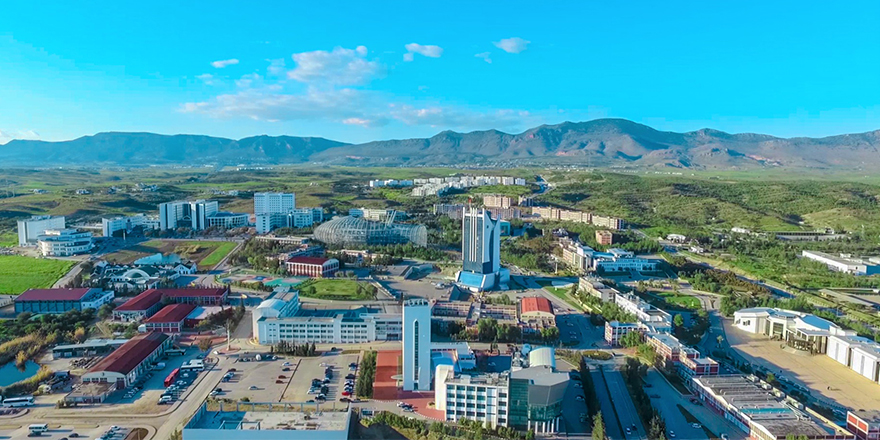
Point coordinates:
[(30, 229), (417, 345), (481, 251), (186, 214), (273, 203)]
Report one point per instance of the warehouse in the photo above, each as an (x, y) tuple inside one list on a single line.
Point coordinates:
[(92, 347), (170, 319), (140, 307), (125, 365), (199, 297), (57, 301)]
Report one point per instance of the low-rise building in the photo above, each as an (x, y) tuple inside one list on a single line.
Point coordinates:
[(92, 347), (535, 307), (64, 242), (676, 238), (845, 263), (604, 237), (109, 226), (170, 319), (614, 330), (864, 423), (861, 355), (315, 267), (126, 364), (269, 421), (57, 301), (799, 330), (647, 314), (30, 229), (596, 288), (150, 301)]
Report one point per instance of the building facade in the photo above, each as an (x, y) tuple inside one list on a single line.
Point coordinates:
[(481, 252), (294, 218), (845, 263), (110, 226), (64, 242), (273, 202), (315, 267), (58, 301), (417, 345), (30, 229), (604, 238), (170, 319), (129, 362)]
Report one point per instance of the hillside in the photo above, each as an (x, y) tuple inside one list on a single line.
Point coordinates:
[(602, 142)]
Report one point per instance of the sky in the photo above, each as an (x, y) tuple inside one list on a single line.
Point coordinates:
[(361, 71)]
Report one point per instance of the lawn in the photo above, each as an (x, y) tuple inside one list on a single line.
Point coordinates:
[(18, 273), (335, 289), (679, 299), (559, 292), (8, 239), (205, 253)]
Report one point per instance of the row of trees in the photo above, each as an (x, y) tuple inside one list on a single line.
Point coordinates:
[(464, 429), (363, 387), (294, 349), (633, 371)]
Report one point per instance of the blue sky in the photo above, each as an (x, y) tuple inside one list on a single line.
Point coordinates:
[(358, 71)]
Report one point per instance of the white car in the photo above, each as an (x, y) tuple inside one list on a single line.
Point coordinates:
[(696, 425)]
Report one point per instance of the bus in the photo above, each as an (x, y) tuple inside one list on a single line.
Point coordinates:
[(38, 428), (175, 351), (171, 377), (193, 365), (13, 402)]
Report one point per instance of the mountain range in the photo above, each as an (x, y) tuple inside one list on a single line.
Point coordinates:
[(601, 142)]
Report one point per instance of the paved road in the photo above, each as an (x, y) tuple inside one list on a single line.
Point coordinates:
[(612, 427), (626, 410)]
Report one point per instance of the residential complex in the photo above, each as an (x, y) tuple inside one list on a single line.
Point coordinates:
[(499, 201), (57, 301), (845, 263), (109, 226), (282, 318), (604, 238), (481, 252), (438, 186), (548, 213), (29, 230), (64, 242)]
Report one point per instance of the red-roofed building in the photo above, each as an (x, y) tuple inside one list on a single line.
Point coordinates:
[(314, 267), (535, 307), (169, 319), (150, 301), (55, 301), (140, 307), (127, 363)]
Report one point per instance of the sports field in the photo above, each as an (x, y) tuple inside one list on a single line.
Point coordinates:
[(205, 253)]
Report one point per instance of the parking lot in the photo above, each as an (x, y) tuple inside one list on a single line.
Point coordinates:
[(313, 368), (69, 432), (146, 399)]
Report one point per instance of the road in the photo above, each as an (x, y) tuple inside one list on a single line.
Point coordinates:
[(612, 426), (623, 404)]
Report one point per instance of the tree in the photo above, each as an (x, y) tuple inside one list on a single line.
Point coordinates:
[(105, 311), (720, 339), (205, 344), (678, 320), (771, 378), (631, 339), (79, 335), (598, 427)]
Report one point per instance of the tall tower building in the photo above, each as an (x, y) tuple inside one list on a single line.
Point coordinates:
[(481, 251), (417, 345)]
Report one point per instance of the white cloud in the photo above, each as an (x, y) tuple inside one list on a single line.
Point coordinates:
[(276, 67), (340, 67), (8, 135), (248, 80), (429, 51), (206, 78), (512, 45), (223, 63), (484, 56)]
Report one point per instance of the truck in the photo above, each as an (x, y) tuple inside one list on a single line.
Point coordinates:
[(169, 380)]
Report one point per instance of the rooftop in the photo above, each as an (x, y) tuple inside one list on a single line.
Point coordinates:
[(535, 304), (184, 293), (286, 416), (131, 354), (143, 301), (308, 260), (54, 294), (91, 343), (171, 313)]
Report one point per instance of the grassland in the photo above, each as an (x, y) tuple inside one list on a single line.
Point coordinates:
[(334, 289), (679, 299), (559, 292), (8, 239), (205, 253), (18, 273)]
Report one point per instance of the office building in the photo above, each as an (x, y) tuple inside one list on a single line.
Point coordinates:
[(582, 257), (417, 345), (845, 263), (315, 267), (273, 203), (227, 220), (535, 399), (481, 252), (380, 214), (799, 330), (658, 319), (614, 330), (282, 318), (64, 242), (754, 408), (30, 229), (57, 301), (129, 362), (483, 398), (294, 218), (187, 214), (110, 226)]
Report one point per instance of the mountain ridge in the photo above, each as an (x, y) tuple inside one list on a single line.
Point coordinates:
[(599, 142)]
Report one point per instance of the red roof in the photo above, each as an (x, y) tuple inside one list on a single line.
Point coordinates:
[(53, 294), (308, 260), (145, 300), (536, 304), (172, 313), (183, 293), (131, 354)]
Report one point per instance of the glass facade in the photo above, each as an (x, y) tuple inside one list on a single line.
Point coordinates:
[(352, 231)]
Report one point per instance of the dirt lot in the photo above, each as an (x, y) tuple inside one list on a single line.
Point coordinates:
[(818, 372), (198, 251)]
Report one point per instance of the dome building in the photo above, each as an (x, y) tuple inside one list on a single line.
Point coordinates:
[(353, 231)]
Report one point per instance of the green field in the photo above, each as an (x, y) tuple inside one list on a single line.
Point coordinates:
[(8, 239), (18, 273), (335, 289), (679, 299), (559, 292), (205, 253)]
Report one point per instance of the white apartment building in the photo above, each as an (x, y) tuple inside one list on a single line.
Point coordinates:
[(30, 229), (295, 218), (374, 214), (64, 242), (109, 226), (273, 202), (186, 214), (644, 312), (227, 220), (483, 398), (282, 318)]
